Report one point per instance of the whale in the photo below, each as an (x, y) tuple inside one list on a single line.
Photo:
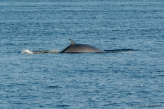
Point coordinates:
[(81, 48), (77, 48)]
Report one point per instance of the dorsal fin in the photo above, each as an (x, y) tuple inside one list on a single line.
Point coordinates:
[(72, 42)]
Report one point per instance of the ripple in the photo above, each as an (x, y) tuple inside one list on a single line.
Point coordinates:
[(63, 105), (53, 87)]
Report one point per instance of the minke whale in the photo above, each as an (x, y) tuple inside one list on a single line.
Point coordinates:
[(81, 48), (77, 48)]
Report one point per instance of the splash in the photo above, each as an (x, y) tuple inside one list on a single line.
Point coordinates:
[(39, 51)]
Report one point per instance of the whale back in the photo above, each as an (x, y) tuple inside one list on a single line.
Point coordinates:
[(80, 48)]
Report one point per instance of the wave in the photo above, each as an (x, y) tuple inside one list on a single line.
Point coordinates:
[(119, 50)]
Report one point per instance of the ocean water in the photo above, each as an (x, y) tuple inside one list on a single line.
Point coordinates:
[(123, 79)]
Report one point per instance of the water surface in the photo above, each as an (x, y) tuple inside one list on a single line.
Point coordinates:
[(127, 79)]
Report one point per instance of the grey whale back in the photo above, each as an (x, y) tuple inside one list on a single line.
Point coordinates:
[(81, 48)]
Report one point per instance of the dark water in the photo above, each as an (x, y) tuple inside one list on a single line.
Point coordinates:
[(123, 79)]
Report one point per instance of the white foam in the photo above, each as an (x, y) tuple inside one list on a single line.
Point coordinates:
[(39, 51), (27, 52), (54, 51)]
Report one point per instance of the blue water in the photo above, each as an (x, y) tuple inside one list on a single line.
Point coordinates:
[(118, 80)]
